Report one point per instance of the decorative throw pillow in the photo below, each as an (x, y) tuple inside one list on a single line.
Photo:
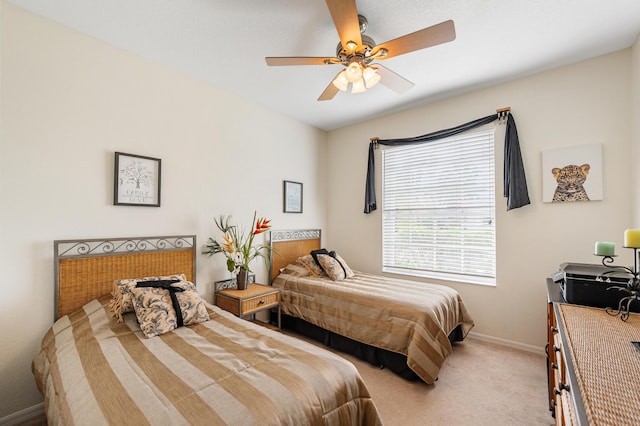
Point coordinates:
[(155, 311), (335, 267), (311, 266), (315, 253), (122, 303), (348, 271)]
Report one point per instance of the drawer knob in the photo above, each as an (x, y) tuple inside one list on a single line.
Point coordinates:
[(554, 330), (554, 365), (561, 387)]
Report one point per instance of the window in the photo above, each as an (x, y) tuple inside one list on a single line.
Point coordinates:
[(438, 201)]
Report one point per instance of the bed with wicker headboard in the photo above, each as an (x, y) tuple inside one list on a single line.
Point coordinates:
[(407, 326), (93, 369)]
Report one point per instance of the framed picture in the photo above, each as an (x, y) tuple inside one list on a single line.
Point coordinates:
[(572, 174), (136, 180), (292, 197)]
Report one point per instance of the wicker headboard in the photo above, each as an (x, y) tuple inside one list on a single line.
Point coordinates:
[(86, 269), (289, 245)]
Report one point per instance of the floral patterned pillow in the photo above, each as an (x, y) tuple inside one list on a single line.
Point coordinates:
[(155, 312), (122, 303), (348, 271), (335, 267), (310, 264)]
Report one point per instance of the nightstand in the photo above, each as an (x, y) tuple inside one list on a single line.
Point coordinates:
[(255, 298)]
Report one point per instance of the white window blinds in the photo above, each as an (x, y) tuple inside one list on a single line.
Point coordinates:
[(438, 216)]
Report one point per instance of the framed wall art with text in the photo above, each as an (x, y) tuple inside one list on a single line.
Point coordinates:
[(136, 180)]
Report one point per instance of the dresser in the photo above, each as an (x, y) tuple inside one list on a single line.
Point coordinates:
[(593, 366)]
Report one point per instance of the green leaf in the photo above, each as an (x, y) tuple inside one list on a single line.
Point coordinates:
[(231, 265)]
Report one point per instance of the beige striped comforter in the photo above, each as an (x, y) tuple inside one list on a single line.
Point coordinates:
[(407, 317), (92, 371)]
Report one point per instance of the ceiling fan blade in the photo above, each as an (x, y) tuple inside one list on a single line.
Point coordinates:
[(329, 92), (300, 60), (440, 33), (345, 19), (393, 81)]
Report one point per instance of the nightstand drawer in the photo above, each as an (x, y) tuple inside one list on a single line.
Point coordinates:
[(259, 303)]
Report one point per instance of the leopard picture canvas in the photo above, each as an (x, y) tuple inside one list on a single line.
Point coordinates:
[(572, 174)]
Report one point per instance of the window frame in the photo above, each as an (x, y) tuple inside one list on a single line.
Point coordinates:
[(487, 137)]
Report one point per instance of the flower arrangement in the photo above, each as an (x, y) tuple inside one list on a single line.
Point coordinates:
[(237, 244)]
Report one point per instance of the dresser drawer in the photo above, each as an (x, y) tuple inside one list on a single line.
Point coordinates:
[(567, 410)]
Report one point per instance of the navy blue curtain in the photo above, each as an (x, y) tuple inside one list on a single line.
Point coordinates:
[(515, 182)]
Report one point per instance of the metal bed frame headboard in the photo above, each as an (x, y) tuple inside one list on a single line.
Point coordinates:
[(100, 261), (288, 245)]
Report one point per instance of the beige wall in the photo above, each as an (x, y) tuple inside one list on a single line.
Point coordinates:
[(581, 104), (69, 102)]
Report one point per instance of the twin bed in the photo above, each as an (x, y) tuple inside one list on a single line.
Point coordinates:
[(406, 326), (93, 369)]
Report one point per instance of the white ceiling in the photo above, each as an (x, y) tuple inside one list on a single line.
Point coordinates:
[(224, 43)]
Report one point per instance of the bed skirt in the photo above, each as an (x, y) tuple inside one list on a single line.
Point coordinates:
[(378, 357)]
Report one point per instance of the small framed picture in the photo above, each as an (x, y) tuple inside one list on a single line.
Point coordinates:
[(136, 180), (292, 197)]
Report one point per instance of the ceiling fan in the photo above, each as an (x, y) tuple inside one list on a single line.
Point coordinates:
[(356, 52)]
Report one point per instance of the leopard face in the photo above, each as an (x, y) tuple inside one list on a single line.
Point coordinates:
[(570, 180)]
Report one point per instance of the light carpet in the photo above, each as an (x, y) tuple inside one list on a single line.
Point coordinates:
[(481, 383)]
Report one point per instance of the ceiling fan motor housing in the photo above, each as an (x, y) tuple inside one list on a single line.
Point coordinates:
[(367, 46)]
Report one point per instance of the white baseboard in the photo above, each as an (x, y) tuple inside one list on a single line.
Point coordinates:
[(504, 342), (23, 415)]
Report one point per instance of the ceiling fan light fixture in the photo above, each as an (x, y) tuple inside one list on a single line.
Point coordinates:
[(371, 77), (354, 72), (358, 86), (341, 81)]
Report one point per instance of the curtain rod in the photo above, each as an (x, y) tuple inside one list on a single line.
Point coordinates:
[(502, 115)]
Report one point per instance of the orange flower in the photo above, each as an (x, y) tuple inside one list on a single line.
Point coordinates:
[(262, 225), (229, 244)]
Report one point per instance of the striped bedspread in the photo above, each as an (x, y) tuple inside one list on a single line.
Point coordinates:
[(407, 317), (92, 371)]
